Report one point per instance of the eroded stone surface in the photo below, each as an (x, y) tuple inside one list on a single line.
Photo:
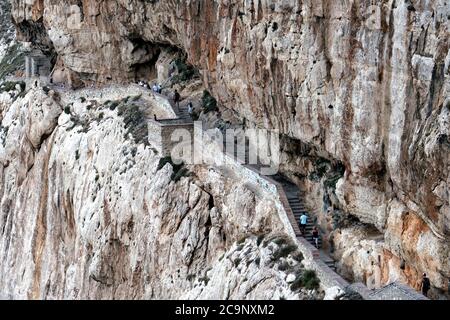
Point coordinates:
[(85, 213), (365, 83)]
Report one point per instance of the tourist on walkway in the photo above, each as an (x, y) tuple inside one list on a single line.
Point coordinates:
[(176, 99), (425, 285), (303, 221), (190, 108), (155, 88), (315, 236)]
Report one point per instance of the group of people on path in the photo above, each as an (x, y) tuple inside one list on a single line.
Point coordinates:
[(315, 231), (156, 87)]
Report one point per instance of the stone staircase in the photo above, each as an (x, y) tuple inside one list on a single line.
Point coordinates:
[(293, 193), (294, 197), (295, 200), (182, 112)]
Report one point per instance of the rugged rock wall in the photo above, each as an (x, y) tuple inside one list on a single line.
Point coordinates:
[(364, 82), (6, 25), (87, 212)]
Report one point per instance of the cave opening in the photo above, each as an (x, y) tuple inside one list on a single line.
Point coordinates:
[(157, 61)]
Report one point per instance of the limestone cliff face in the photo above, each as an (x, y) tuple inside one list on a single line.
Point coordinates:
[(88, 212), (365, 83)]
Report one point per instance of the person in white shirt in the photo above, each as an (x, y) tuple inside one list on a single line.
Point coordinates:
[(303, 222)]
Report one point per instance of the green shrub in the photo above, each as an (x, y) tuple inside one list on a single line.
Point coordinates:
[(307, 279), (237, 262), (298, 256), (13, 60), (310, 280), (209, 103), (283, 266), (135, 122), (136, 98), (112, 105), (280, 241), (283, 252), (11, 86), (67, 109), (321, 167), (186, 71), (351, 294)]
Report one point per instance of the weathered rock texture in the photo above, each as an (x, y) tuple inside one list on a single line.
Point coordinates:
[(87, 213), (366, 83)]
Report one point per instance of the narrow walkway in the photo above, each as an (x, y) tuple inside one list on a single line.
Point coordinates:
[(295, 199)]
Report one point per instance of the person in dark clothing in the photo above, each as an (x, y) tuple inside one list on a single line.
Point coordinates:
[(425, 285), (315, 236), (176, 99)]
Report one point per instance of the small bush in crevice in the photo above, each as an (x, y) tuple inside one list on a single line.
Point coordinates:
[(283, 266), (351, 294), (280, 241), (186, 71), (306, 279), (283, 252), (135, 123), (112, 105), (298, 256), (11, 85), (209, 103), (13, 60)]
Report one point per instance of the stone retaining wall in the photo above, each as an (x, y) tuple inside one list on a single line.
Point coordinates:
[(274, 190), (161, 133)]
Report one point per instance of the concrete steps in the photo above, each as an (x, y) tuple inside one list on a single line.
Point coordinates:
[(294, 197), (293, 194)]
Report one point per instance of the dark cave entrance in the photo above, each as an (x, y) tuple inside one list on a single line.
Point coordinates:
[(152, 60), (145, 55)]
